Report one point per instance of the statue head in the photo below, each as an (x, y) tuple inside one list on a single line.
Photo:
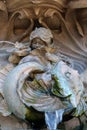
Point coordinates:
[(41, 37)]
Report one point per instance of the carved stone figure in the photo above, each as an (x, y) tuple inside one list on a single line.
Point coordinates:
[(43, 60)]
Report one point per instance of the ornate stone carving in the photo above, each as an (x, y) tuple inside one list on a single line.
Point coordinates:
[(43, 58)]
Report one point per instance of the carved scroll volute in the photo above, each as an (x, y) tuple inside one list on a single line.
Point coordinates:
[(73, 37), (27, 11), (18, 4), (79, 8), (20, 25), (69, 32), (3, 20), (78, 24)]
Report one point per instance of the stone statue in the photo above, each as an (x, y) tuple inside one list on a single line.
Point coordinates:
[(43, 66)]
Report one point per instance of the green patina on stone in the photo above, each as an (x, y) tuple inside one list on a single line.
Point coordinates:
[(56, 87), (57, 90), (33, 115)]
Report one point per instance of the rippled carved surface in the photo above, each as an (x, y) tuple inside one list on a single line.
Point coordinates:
[(66, 20)]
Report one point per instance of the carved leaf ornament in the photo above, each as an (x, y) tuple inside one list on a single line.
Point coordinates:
[(43, 57)]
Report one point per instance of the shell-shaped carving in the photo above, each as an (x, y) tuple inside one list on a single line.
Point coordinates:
[(50, 86), (11, 85), (3, 105), (43, 92)]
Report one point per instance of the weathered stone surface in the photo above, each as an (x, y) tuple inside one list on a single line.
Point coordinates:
[(71, 124), (12, 123), (67, 19)]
